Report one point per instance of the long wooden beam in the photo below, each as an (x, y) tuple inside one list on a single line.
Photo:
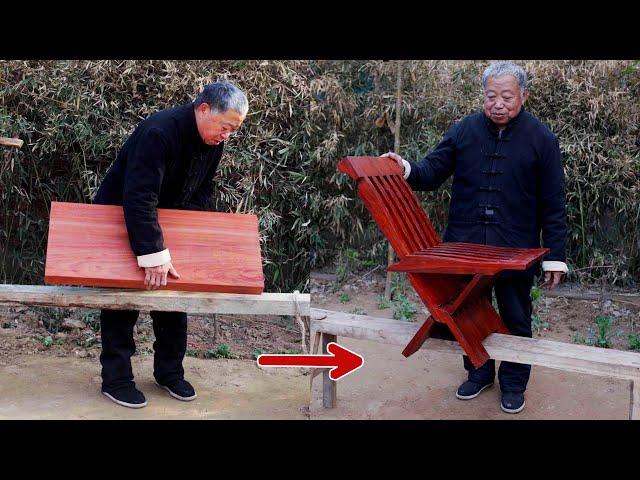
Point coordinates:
[(546, 353), (165, 300)]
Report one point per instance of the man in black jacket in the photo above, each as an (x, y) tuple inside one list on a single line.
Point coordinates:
[(508, 188), (168, 162)]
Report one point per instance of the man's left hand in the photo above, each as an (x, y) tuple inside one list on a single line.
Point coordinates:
[(552, 279)]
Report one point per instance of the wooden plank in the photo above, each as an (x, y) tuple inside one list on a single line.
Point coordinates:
[(468, 259), (163, 300), (11, 142), (546, 353), (213, 252), (357, 167), (329, 390), (630, 298)]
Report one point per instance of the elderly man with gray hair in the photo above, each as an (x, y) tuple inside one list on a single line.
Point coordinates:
[(508, 190), (168, 162)]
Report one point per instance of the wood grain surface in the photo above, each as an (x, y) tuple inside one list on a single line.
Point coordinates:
[(213, 252)]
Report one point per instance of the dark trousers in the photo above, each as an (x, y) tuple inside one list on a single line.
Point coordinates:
[(116, 326), (513, 294)]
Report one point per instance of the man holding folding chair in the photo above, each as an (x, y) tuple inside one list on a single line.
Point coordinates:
[(508, 190)]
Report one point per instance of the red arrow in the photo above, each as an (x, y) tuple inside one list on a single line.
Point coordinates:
[(342, 361)]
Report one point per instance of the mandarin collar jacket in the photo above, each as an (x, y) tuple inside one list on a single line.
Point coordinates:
[(163, 164), (508, 186)]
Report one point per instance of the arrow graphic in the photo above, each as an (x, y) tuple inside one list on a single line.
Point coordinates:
[(342, 361)]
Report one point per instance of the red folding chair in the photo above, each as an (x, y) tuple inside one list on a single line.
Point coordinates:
[(453, 280)]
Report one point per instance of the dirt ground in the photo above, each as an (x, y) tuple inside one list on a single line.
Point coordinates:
[(49, 368), (390, 386)]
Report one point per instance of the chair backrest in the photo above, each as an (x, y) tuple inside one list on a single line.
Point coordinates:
[(391, 202)]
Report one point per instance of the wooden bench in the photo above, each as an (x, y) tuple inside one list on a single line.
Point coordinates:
[(327, 326)]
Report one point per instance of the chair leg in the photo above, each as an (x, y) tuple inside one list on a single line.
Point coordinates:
[(419, 338)]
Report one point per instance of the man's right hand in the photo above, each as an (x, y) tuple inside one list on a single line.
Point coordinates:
[(395, 157), (155, 277)]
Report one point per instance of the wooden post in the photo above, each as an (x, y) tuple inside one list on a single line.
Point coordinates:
[(396, 149), (634, 401), (329, 391), (301, 324)]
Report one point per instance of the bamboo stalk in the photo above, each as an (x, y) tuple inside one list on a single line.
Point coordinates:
[(396, 149)]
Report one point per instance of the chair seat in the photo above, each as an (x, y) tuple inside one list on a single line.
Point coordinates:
[(468, 258)]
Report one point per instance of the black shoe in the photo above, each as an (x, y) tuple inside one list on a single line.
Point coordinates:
[(469, 389), (180, 389), (128, 396), (512, 402)]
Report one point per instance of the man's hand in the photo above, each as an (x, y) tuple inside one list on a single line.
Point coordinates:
[(552, 279), (154, 277), (395, 157)]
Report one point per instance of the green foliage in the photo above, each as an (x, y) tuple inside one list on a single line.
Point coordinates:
[(304, 116), (399, 285), (221, 351), (358, 311), (383, 303), (404, 309), (75, 115), (48, 341), (258, 352), (633, 341), (348, 262), (579, 337), (344, 297), (536, 293), (603, 334), (537, 323), (590, 105), (51, 317), (91, 318), (193, 353)]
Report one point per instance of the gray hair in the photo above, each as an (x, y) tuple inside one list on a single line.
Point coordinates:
[(498, 69), (222, 96)]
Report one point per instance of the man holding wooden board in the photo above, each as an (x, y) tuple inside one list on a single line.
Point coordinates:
[(168, 162)]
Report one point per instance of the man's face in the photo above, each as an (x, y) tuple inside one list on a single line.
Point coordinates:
[(216, 127), (503, 99)]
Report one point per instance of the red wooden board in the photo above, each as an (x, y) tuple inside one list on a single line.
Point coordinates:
[(212, 251)]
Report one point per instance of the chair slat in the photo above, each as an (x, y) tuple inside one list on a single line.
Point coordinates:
[(389, 197), (417, 213)]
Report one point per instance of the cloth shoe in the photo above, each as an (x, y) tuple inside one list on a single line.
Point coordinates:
[(469, 389), (512, 402), (180, 389), (128, 396)]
